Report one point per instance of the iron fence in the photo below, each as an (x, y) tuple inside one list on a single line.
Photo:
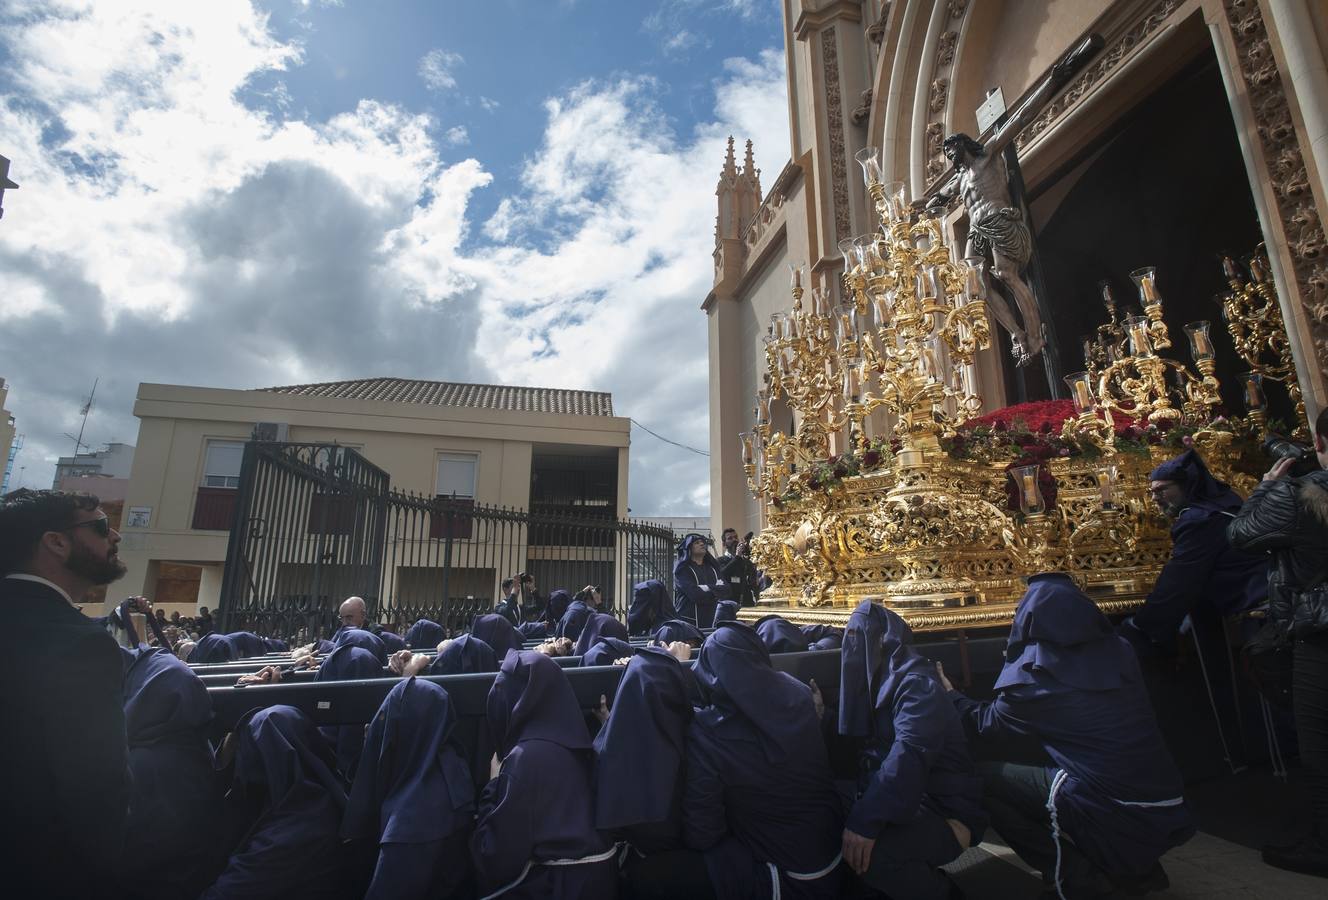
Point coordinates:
[(318, 523)]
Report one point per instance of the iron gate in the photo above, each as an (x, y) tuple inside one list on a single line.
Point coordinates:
[(317, 523)]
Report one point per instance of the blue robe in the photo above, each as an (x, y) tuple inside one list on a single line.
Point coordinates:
[(425, 634), (247, 644), (413, 797), (597, 626), (1071, 693), (464, 655), (212, 649), (532, 631), (273, 645), (558, 602), (365, 640), (639, 754), (759, 789), (678, 630), (498, 633), (540, 808), (697, 587), (606, 651), (1204, 573), (726, 611), (392, 642), (650, 606), (916, 756), (292, 847), (574, 620), (780, 635), (176, 796), (348, 663)]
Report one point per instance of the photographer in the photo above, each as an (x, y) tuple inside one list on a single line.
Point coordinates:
[(1288, 517), (736, 566)]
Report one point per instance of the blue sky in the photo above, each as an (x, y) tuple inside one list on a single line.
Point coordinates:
[(244, 193)]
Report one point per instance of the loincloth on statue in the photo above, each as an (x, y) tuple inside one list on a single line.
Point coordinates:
[(1005, 231)]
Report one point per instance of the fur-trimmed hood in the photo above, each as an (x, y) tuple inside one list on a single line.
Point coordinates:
[(1313, 495)]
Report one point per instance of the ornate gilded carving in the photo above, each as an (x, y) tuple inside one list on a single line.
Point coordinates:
[(835, 115), (1296, 209), (1111, 57)]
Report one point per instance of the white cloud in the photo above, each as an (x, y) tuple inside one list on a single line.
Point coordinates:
[(488, 103), (457, 135), (436, 69), (165, 232)]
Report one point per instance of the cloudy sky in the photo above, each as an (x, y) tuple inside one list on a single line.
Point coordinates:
[(246, 193)]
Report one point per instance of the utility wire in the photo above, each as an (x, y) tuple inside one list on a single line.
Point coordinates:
[(667, 441)]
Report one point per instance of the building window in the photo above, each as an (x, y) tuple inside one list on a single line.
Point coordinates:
[(221, 469), (456, 475)]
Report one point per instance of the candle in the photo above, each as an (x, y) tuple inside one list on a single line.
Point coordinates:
[(1257, 271), (1229, 269), (853, 379), (1149, 289), (1106, 482), (1031, 501), (1137, 326), (792, 324), (1082, 398), (797, 278), (1253, 391), (1202, 346), (930, 365)]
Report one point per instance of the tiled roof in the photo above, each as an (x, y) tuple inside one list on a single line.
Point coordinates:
[(448, 393)]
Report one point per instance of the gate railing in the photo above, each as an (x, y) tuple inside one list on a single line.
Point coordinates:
[(318, 523)]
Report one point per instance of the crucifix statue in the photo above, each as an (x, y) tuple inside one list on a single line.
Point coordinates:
[(997, 230)]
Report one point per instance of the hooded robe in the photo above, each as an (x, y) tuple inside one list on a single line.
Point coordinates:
[(348, 663), (599, 625), (780, 635), (760, 800), (697, 587), (425, 634), (1072, 690), (915, 755), (285, 776), (413, 797), (176, 796), (535, 834), (464, 655), (650, 606), (606, 651), (364, 640), (639, 754), (498, 633)]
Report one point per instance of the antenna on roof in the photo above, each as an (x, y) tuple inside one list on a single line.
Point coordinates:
[(87, 408)]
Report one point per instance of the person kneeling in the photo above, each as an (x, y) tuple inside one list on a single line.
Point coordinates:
[(1102, 800), (919, 801)]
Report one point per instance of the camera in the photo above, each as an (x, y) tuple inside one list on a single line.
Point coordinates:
[(1280, 448)]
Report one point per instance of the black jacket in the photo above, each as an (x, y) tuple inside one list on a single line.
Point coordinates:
[(64, 767), (1289, 519)]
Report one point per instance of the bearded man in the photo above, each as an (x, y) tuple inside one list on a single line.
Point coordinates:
[(65, 759)]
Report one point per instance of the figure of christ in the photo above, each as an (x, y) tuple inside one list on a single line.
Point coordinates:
[(997, 230)]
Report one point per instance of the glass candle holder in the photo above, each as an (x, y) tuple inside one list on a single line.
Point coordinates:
[(1254, 398), (1146, 280), (1108, 298), (1106, 477), (896, 201), (1031, 502), (1231, 269), (852, 378), (929, 284), (931, 360), (1201, 344), (885, 304), (746, 439), (975, 278), (1081, 392), (762, 407), (1140, 343), (796, 274), (850, 257), (864, 251), (870, 160), (779, 326), (846, 323), (1258, 269)]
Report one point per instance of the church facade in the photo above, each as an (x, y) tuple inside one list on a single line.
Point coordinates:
[(1199, 128)]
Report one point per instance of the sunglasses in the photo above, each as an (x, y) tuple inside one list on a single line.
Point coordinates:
[(100, 525)]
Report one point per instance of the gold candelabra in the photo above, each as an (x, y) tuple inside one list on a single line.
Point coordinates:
[(1254, 320), (861, 506)]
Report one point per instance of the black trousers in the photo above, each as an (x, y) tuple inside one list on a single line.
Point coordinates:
[(906, 860), (672, 875), (1015, 798), (1309, 702)]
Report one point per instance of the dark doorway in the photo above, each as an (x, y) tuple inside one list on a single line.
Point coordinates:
[(1165, 187)]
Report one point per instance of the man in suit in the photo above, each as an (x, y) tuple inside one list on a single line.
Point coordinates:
[(64, 769)]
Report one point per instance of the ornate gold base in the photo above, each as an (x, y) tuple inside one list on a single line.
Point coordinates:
[(987, 615)]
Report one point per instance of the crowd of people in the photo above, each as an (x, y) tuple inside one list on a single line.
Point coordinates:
[(707, 772)]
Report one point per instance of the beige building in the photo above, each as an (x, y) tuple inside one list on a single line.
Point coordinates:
[(537, 449), (1200, 127)]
